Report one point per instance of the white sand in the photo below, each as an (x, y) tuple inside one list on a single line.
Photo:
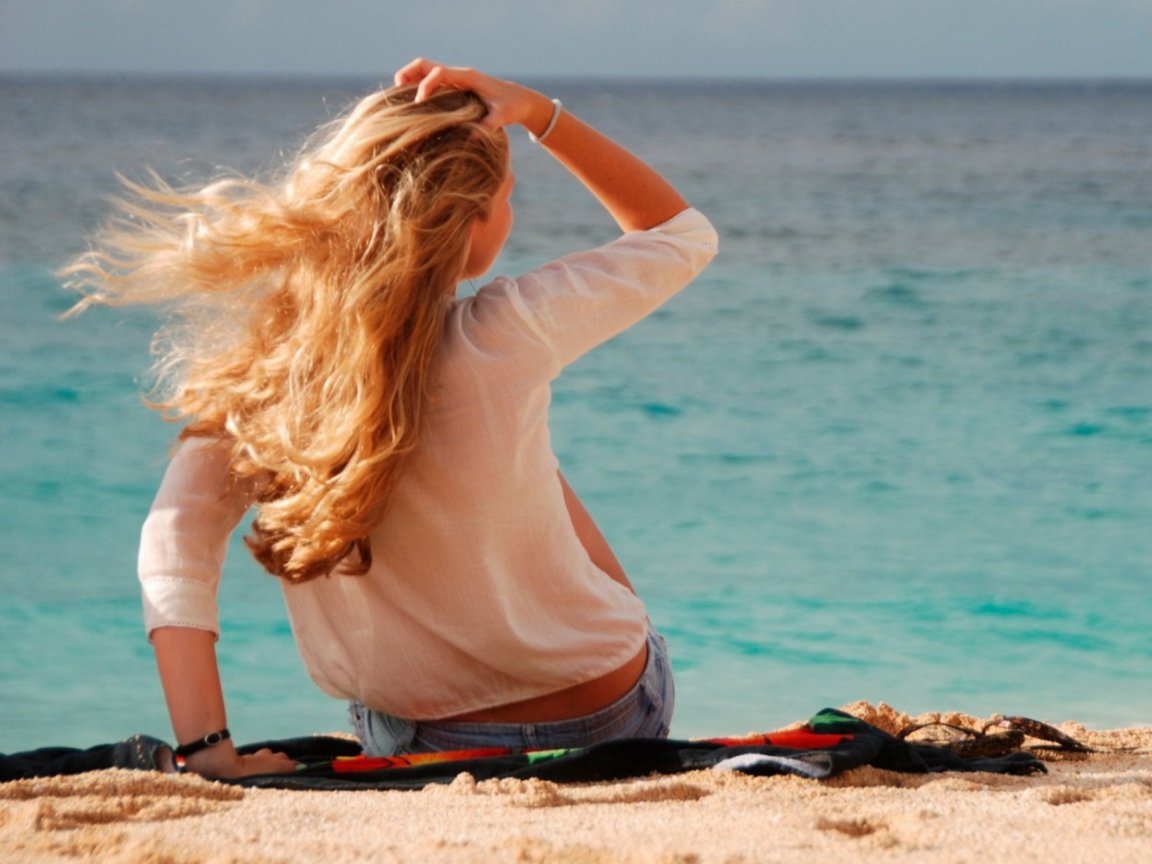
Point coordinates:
[(1094, 807)]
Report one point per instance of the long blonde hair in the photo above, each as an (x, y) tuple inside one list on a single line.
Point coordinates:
[(308, 312)]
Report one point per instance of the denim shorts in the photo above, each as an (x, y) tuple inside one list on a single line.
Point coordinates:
[(643, 712)]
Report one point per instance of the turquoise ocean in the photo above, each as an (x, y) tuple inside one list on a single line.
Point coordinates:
[(895, 444)]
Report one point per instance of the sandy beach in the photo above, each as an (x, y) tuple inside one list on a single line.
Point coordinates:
[(1088, 807)]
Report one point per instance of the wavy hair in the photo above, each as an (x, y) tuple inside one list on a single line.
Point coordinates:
[(308, 312)]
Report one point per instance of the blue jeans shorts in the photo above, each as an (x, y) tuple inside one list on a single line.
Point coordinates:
[(645, 711)]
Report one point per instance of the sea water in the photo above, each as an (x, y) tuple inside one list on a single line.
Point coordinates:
[(895, 444)]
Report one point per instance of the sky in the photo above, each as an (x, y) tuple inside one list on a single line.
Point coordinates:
[(608, 38)]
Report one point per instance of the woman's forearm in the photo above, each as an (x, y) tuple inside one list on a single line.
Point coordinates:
[(634, 193), (190, 675), (186, 658)]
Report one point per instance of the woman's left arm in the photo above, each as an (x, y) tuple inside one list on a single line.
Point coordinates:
[(590, 537)]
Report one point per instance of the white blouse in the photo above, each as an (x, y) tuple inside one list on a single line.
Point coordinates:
[(480, 593)]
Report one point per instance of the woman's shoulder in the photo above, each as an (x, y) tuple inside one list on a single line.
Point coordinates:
[(496, 321), (573, 303)]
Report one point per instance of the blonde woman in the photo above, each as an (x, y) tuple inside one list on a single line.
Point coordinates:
[(439, 573)]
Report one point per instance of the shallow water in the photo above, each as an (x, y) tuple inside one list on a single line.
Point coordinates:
[(895, 444)]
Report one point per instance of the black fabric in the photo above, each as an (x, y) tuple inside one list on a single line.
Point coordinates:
[(140, 752), (639, 757), (613, 760), (307, 749)]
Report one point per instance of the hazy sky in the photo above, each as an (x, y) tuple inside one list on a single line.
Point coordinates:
[(759, 38)]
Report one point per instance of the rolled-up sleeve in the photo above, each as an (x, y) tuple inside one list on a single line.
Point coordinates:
[(185, 538)]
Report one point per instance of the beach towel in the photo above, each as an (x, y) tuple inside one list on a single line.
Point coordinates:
[(829, 744)]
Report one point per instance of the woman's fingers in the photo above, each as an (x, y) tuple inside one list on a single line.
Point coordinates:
[(429, 77), (507, 102), (434, 79), (266, 762), (412, 72)]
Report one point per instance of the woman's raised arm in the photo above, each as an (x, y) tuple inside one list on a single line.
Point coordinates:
[(636, 195)]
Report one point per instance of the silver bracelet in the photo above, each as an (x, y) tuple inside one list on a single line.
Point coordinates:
[(539, 139)]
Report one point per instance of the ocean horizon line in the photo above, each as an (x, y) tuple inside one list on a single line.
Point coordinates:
[(1040, 82)]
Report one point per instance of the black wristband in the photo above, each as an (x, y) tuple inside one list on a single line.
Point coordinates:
[(209, 740)]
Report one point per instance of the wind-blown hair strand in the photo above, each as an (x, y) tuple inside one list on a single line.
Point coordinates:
[(308, 312)]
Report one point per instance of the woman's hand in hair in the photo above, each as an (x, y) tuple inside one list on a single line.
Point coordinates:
[(508, 103), (634, 194)]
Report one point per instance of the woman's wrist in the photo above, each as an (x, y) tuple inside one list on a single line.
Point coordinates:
[(212, 739), (557, 108), (221, 761), (538, 113)]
